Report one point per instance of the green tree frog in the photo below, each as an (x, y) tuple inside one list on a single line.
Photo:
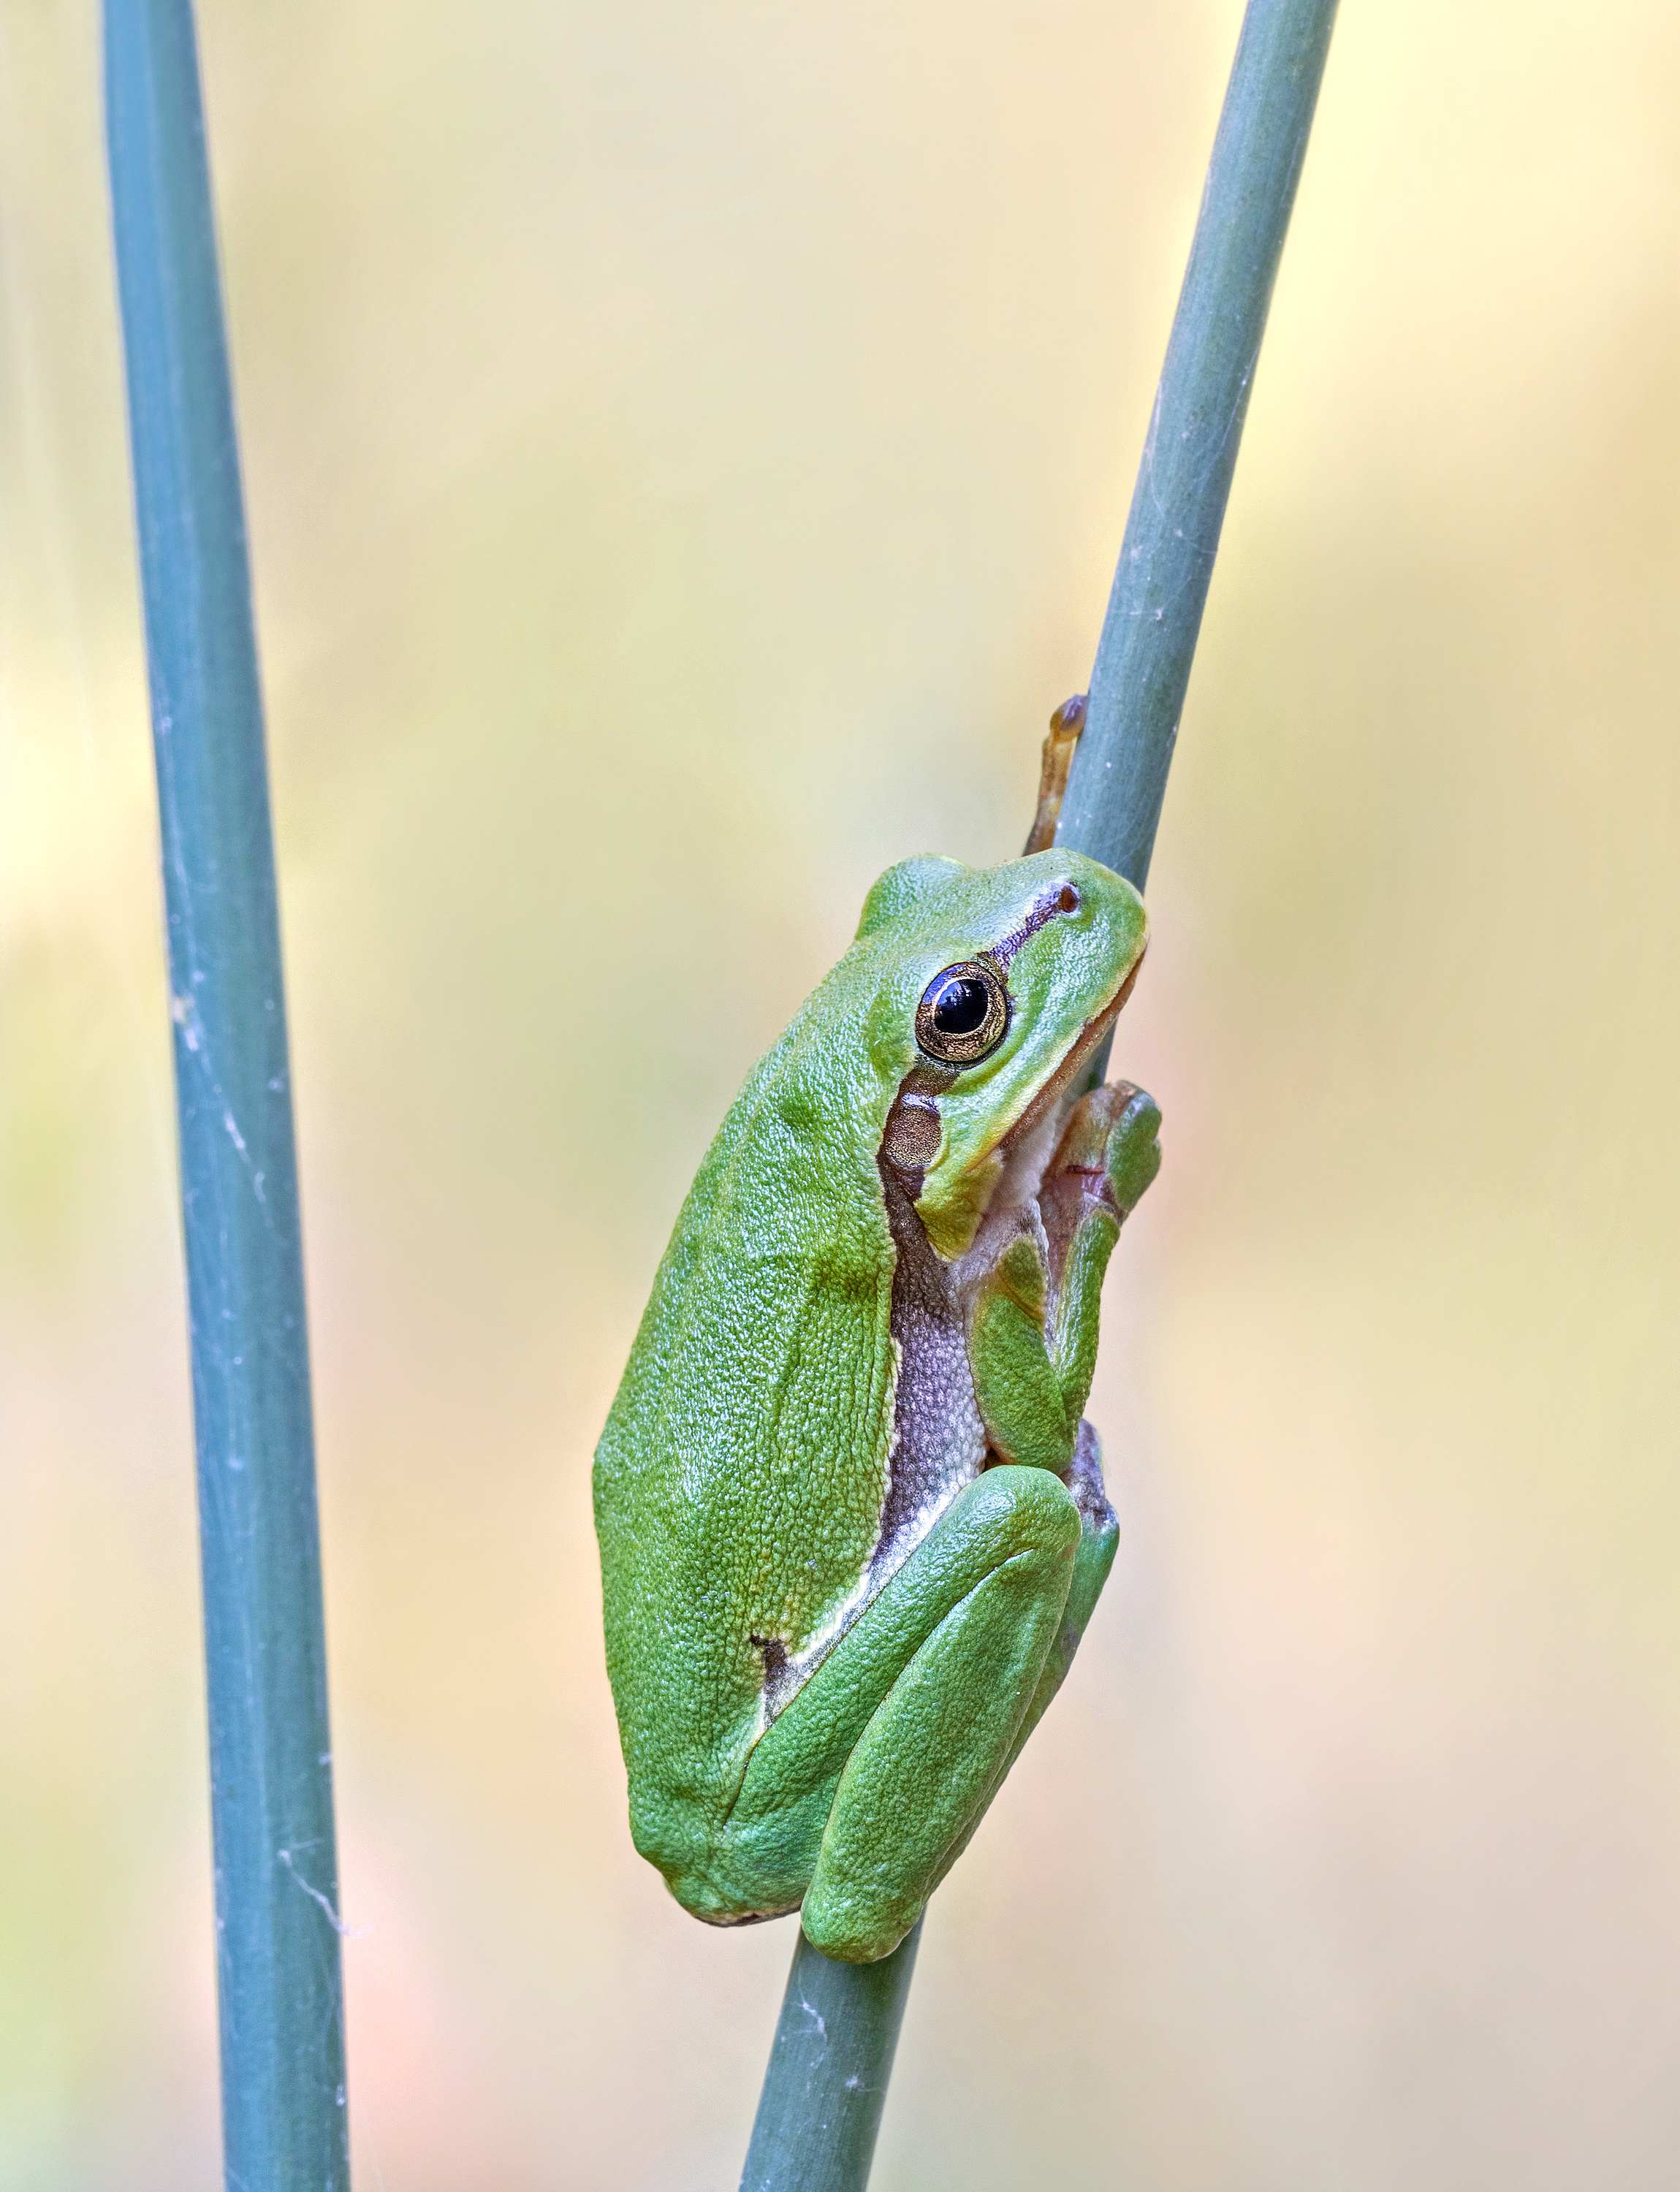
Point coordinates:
[(852, 1523)]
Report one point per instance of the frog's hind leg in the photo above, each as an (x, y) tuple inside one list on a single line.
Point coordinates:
[(1093, 1558), (950, 1658)]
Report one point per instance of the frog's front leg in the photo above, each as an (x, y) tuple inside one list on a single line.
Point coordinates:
[(1033, 1329), (893, 1747), (1108, 1155)]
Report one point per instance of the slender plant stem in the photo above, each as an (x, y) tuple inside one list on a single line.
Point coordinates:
[(1119, 773), (827, 2078), (278, 1968), (830, 2063)]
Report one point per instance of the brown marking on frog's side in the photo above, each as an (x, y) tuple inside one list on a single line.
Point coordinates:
[(939, 1441), (911, 1140), (912, 1137)]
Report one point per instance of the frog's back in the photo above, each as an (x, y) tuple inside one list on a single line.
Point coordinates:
[(740, 1478)]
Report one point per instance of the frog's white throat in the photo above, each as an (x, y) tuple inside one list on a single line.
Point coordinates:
[(1013, 1206)]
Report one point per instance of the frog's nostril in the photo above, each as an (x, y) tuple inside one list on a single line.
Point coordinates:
[(1068, 902)]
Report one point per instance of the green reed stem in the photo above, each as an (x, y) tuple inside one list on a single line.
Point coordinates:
[(830, 2063), (826, 2081), (1119, 774), (279, 1983)]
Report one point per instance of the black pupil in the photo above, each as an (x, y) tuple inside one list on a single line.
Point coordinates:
[(960, 1006)]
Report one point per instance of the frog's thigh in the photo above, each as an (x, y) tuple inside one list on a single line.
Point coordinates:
[(774, 1833), (926, 1763)]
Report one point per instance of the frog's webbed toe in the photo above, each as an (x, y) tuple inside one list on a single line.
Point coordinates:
[(1083, 1478)]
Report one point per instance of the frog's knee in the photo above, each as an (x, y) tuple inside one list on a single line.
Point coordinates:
[(852, 1928), (1026, 1508), (1012, 1515)]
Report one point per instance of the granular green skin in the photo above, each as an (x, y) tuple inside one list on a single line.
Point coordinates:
[(744, 1473)]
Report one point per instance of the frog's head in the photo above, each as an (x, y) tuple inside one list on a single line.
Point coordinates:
[(995, 987)]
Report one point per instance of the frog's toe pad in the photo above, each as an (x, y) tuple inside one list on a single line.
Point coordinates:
[(1133, 1154)]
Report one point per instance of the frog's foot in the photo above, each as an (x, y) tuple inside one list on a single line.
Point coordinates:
[(1109, 1153), (1083, 1478), (1098, 1537), (680, 1834)]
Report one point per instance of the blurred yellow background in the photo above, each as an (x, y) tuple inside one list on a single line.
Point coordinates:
[(687, 449)]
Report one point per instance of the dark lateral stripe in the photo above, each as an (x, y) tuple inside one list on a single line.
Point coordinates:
[(1045, 908)]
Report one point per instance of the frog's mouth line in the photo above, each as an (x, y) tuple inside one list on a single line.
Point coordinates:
[(1066, 1074)]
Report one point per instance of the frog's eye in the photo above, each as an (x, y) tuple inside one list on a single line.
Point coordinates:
[(963, 1015)]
